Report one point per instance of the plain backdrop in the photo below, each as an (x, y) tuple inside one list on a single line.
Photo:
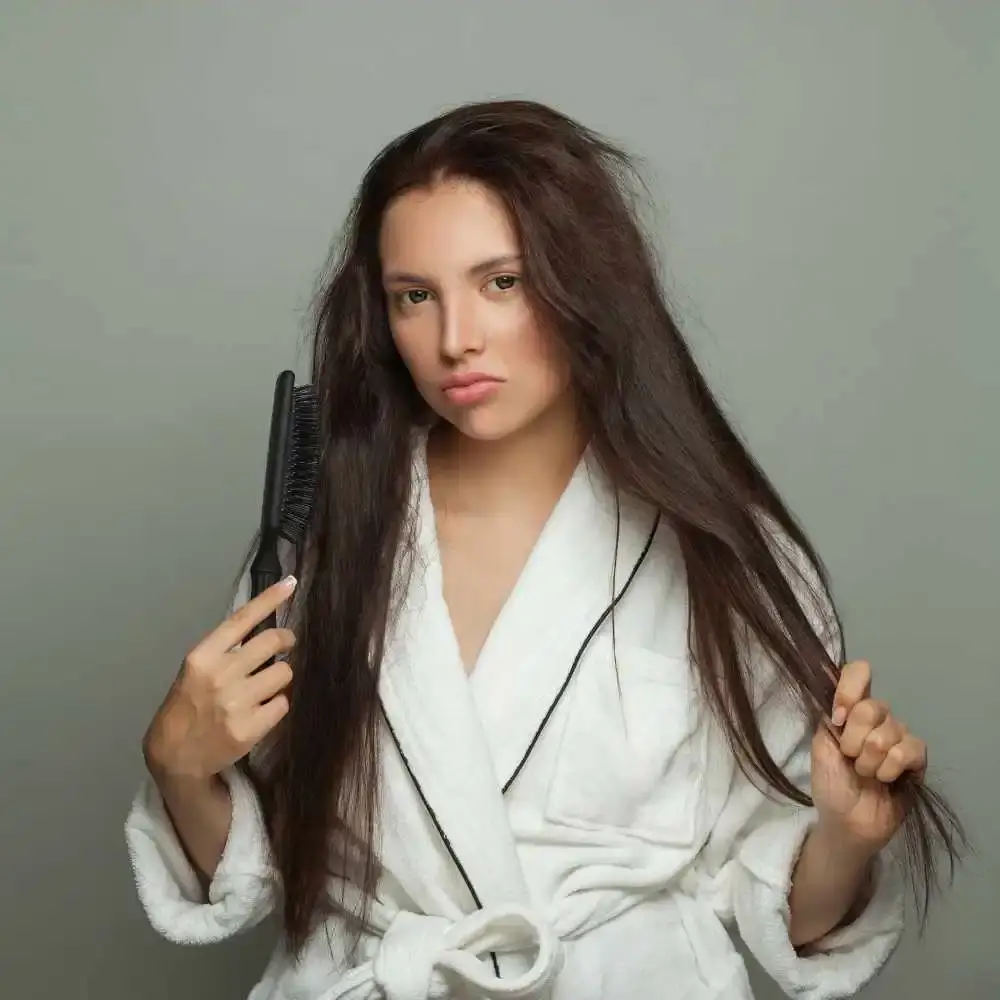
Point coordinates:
[(171, 178)]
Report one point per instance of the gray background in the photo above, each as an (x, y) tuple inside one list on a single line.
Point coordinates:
[(172, 176)]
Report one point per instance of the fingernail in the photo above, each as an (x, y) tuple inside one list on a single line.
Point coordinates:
[(839, 715), (289, 581)]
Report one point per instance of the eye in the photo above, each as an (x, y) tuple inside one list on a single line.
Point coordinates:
[(505, 282), (412, 297)]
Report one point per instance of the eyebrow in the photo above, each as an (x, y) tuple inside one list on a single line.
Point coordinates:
[(400, 277)]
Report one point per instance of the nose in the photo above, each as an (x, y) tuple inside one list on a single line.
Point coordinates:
[(460, 333)]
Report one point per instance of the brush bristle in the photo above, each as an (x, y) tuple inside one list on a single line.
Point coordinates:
[(298, 495)]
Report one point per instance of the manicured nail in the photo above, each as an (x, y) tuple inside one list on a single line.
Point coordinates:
[(839, 715), (289, 582)]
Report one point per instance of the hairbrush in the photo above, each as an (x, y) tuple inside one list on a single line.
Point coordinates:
[(290, 479)]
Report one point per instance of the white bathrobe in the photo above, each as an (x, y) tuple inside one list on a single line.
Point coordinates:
[(569, 816)]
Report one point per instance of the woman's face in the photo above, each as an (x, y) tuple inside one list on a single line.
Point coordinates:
[(459, 313)]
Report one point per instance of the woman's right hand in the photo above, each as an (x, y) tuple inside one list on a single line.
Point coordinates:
[(218, 708)]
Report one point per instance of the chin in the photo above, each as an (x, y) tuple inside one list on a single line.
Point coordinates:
[(482, 425)]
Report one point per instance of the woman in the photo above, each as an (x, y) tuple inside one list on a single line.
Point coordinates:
[(562, 666)]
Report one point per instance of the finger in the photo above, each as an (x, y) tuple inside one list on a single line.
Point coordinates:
[(877, 744), (238, 625), (266, 684), (909, 754), (265, 718), (854, 686), (247, 658), (864, 717)]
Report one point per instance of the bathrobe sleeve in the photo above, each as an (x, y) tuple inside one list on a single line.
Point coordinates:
[(755, 844), (245, 885)]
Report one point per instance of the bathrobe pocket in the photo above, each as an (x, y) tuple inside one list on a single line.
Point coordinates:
[(631, 749)]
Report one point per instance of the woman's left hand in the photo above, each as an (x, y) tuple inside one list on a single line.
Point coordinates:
[(855, 763)]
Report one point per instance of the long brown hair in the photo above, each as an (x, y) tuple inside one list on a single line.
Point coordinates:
[(653, 424)]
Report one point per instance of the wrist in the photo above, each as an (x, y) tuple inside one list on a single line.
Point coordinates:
[(183, 793), (832, 883), (841, 848), (170, 779)]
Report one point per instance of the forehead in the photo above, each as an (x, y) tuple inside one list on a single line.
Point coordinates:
[(449, 226)]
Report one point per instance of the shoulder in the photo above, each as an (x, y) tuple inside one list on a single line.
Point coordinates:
[(663, 597)]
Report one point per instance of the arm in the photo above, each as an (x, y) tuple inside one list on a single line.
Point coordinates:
[(831, 885), (181, 902), (197, 839), (819, 904), (201, 812), (199, 807), (818, 919), (854, 763)]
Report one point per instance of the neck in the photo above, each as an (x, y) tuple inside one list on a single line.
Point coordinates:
[(492, 477)]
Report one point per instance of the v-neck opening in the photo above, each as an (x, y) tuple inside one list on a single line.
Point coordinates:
[(464, 736), (436, 564)]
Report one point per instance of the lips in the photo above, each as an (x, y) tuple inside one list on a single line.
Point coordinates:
[(464, 390), (464, 381)]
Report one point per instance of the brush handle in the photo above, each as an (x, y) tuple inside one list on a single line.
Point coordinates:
[(265, 571), (271, 621)]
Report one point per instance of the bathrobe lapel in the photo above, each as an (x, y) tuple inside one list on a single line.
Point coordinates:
[(461, 740)]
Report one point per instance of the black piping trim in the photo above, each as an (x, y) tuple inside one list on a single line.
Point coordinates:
[(440, 829), (579, 656), (534, 740)]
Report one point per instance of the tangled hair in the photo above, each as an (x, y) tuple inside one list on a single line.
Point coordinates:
[(653, 425)]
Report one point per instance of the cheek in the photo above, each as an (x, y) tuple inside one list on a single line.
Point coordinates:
[(416, 347), (542, 361)]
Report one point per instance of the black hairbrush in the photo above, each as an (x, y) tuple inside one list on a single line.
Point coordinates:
[(289, 481)]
